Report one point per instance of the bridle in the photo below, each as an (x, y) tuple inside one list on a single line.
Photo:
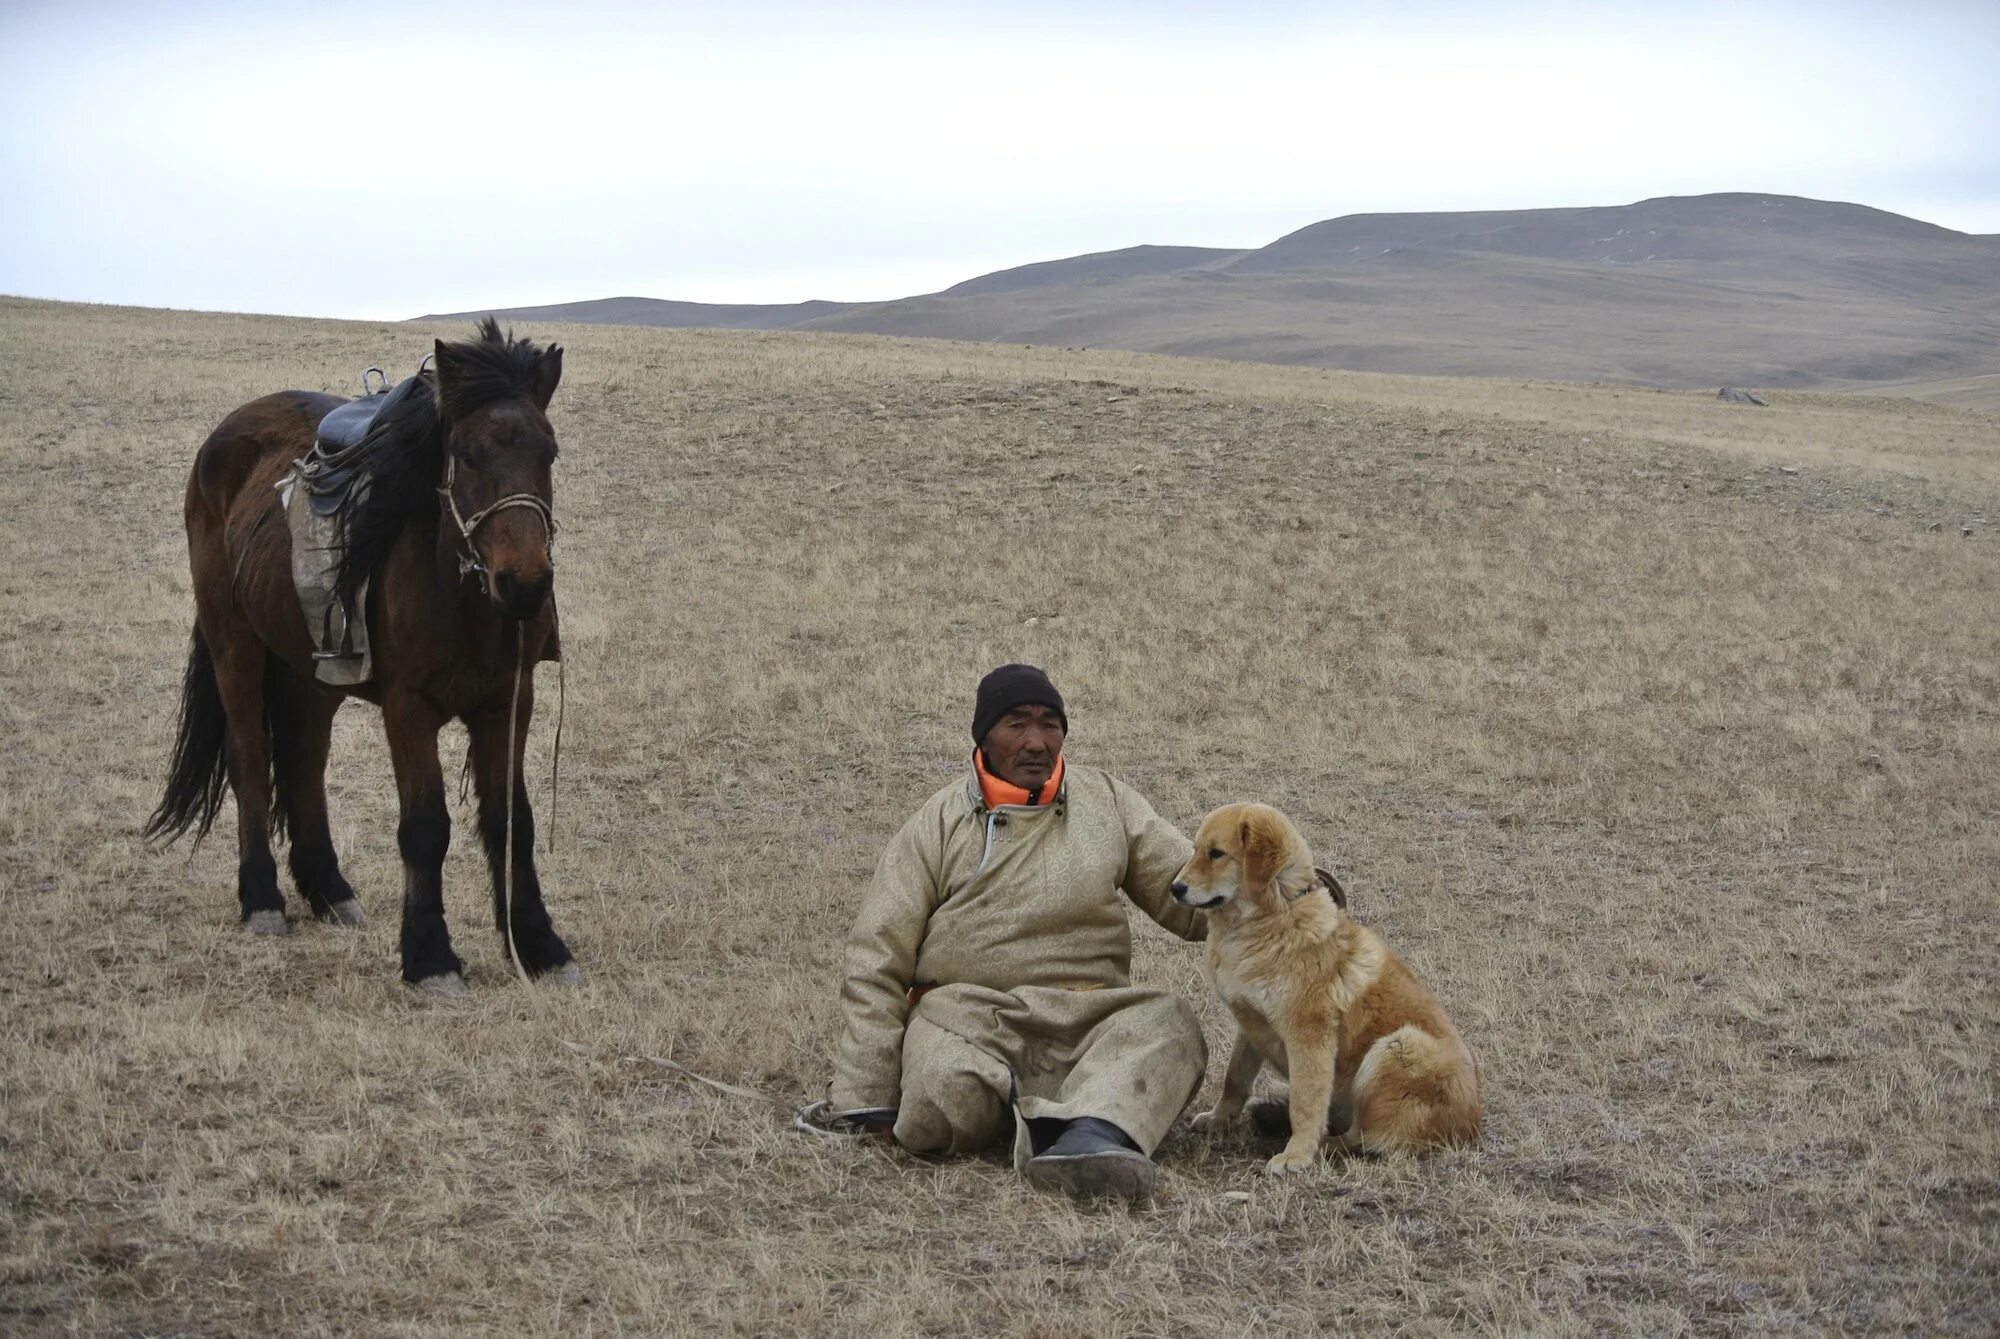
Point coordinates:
[(470, 562)]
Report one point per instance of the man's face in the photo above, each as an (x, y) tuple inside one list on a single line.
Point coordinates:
[(1023, 746)]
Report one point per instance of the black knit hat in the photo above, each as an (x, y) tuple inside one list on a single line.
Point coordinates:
[(1009, 687)]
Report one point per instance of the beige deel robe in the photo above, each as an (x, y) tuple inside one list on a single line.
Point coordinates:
[(1007, 925)]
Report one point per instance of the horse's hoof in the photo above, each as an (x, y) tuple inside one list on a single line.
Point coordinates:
[(267, 923), (569, 974), (344, 913), (449, 985)]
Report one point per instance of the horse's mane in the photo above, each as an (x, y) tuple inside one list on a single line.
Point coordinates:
[(402, 457)]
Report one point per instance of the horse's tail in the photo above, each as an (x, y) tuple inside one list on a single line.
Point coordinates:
[(200, 767)]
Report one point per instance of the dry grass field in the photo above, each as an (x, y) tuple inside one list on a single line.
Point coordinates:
[(1661, 735)]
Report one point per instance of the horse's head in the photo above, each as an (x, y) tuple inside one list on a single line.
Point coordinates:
[(493, 396)]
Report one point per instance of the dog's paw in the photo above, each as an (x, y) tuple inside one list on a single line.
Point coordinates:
[(1289, 1162)]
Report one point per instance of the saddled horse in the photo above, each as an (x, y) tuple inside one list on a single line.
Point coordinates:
[(448, 555)]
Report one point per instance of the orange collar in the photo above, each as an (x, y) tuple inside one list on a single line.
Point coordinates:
[(998, 792)]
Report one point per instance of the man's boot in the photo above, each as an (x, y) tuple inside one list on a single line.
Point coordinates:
[(1271, 1117), (1093, 1158)]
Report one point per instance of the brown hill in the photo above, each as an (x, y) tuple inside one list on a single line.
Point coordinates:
[(1676, 291), (1712, 229), (666, 312), (1132, 262)]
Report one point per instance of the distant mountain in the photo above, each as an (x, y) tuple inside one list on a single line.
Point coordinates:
[(1131, 263), (1712, 229), (1765, 290), (664, 311)]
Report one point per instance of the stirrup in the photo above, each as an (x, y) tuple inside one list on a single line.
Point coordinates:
[(346, 651)]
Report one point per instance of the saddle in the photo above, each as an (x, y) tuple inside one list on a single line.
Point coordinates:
[(328, 471), (318, 494)]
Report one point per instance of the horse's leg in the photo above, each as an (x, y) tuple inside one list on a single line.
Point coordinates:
[(302, 730), (540, 948), (240, 666), (423, 836)]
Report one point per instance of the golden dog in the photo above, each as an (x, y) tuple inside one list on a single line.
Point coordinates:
[(1322, 998)]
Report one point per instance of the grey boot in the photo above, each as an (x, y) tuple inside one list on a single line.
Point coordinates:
[(1271, 1117), (1093, 1158)]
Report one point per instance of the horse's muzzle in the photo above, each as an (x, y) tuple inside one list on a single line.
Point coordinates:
[(516, 598)]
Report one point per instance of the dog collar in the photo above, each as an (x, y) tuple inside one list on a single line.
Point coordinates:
[(1322, 879)]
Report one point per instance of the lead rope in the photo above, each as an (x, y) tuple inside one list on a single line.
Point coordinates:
[(562, 703), (468, 564), (507, 858)]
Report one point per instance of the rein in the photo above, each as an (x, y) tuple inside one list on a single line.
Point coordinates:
[(470, 562)]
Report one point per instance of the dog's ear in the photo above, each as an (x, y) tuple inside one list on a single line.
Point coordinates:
[(1261, 852), (1325, 876), (1295, 880)]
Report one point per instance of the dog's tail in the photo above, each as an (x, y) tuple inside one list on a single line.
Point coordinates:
[(1414, 1092)]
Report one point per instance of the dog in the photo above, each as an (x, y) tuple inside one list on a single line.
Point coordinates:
[(1366, 1046)]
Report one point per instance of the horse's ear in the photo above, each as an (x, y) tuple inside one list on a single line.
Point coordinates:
[(547, 373), (444, 357)]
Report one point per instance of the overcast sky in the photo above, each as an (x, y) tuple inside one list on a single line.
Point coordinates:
[(388, 160)]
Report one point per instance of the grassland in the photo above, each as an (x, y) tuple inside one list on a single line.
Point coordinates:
[(1661, 735)]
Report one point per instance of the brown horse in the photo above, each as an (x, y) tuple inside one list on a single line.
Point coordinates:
[(452, 538)]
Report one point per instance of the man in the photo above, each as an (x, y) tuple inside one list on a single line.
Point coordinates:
[(989, 971)]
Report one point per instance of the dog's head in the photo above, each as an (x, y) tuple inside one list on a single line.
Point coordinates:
[(1246, 855)]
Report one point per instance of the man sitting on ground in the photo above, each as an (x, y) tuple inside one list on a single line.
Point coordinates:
[(989, 971)]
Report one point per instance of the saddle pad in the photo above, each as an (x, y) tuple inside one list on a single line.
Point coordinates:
[(340, 642)]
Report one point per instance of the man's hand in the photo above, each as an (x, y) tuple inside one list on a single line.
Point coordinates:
[(863, 1120), (870, 1120), (819, 1119)]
